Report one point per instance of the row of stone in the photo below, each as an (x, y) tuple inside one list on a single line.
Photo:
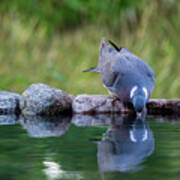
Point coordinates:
[(40, 99)]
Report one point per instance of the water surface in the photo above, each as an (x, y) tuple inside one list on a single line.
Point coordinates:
[(101, 147)]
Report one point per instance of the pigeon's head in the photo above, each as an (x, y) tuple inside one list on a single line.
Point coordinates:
[(139, 98)]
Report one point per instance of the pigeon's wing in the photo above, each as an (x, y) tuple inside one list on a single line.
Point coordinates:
[(131, 64), (109, 74), (147, 73), (115, 46)]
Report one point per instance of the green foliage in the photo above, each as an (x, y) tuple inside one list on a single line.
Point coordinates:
[(28, 54), (57, 14)]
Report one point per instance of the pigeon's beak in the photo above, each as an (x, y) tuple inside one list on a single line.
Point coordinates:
[(139, 103)]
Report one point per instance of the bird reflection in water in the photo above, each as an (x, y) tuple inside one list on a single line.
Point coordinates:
[(125, 146)]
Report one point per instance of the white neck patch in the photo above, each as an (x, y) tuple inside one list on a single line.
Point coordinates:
[(145, 92), (134, 89)]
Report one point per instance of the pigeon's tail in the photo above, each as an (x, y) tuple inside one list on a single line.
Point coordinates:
[(102, 46), (96, 69), (106, 51), (103, 43)]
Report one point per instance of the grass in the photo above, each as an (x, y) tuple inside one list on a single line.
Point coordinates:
[(28, 56)]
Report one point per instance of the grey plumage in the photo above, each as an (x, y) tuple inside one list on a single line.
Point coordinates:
[(121, 70)]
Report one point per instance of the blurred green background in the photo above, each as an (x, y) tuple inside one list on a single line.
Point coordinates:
[(52, 41)]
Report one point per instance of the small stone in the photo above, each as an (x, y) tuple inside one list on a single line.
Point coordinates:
[(9, 102), (89, 104), (41, 99), (163, 107)]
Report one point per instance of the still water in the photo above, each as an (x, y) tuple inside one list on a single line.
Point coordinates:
[(102, 147)]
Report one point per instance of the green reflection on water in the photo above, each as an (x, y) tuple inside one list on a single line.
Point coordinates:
[(74, 154)]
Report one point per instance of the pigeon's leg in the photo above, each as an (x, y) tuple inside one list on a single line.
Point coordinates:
[(113, 103), (115, 99)]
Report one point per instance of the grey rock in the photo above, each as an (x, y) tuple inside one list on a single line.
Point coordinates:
[(9, 102), (41, 99), (164, 107), (89, 104), (45, 126)]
